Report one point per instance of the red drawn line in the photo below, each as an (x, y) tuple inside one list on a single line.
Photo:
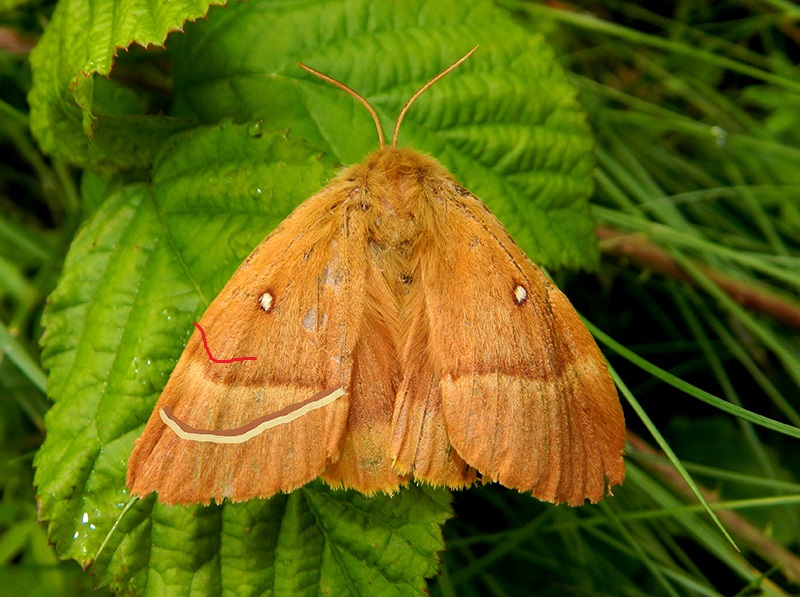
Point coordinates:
[(211, 357)]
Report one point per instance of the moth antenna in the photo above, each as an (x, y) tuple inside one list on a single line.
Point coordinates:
[(352, 92), (422, 90)]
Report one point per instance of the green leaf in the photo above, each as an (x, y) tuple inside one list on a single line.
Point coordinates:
[(506, 122), (143, 267), (81, 41)]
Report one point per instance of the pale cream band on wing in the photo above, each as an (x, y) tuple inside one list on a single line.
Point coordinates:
[(253, 428)]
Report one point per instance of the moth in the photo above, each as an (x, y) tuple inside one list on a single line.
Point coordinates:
[(398, 333)]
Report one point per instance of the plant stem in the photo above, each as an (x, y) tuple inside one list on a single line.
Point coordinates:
[(649, 255), (747, 534)]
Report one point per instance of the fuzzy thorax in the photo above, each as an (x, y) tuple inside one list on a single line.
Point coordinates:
[(398, 193)]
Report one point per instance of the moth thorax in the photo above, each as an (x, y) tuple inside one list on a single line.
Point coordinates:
[(393, 230), (401, 185)]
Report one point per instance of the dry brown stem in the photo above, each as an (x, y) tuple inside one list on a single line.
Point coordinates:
[(639, 249)]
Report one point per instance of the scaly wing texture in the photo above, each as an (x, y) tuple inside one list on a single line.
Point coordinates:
[(420, 445), (364, 463), (295, 304), (526, 394)]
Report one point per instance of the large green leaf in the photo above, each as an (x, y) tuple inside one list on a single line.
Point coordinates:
[(87, 119), (506, 122)]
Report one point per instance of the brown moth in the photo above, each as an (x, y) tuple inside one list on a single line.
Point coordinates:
[(399, 333)]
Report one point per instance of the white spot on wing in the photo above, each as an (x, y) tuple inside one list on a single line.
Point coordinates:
[(265, 300), (520, 294)]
